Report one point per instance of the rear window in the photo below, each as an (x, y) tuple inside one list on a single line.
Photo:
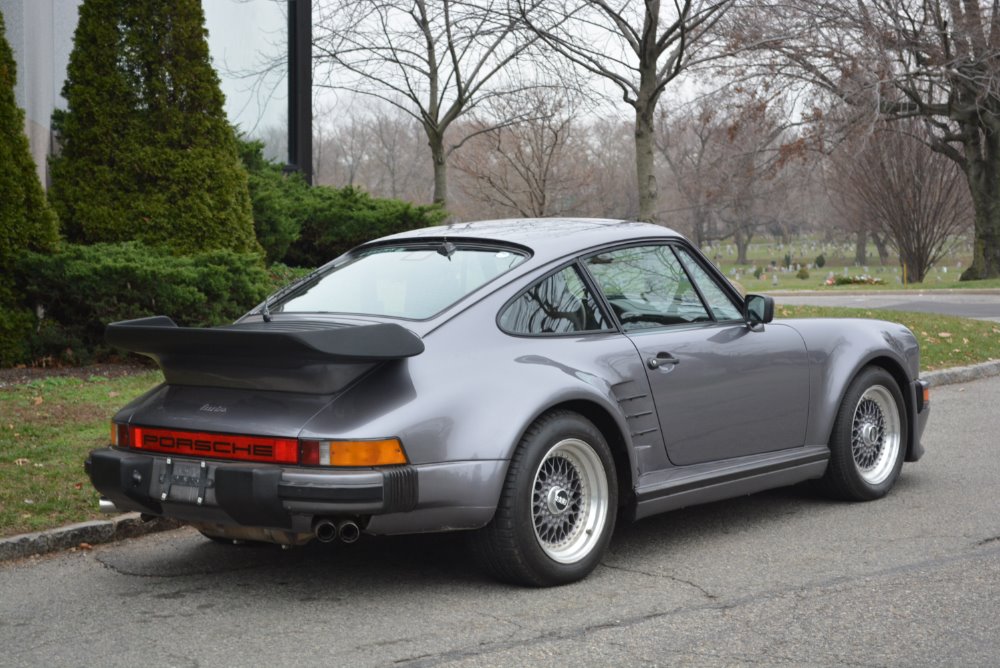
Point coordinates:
[(413, 282)]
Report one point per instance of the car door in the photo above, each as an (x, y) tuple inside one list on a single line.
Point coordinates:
[(721, 389)]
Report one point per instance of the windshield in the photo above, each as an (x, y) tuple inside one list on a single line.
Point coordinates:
[(413, 282)]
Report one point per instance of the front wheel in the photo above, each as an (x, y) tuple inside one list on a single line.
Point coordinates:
[(557, 509), (868, 440)]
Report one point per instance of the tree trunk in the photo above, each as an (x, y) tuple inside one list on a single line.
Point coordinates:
[(436, 141), (742, 240), (644, 164), (882, 247), (984, 184), (861, 248)]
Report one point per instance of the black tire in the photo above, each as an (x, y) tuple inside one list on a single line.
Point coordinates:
[(557, 508), (868, 442)]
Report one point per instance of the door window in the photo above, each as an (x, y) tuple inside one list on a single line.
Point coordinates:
[(647, 287), (719, 302)]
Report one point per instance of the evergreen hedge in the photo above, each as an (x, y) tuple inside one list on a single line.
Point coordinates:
[(337, 219), (147, 152), (26, 221), (280, 201), (80, 289)]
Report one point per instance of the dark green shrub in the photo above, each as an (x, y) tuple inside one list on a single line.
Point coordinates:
[(820, 261), (280, 201), (803, 274), (16, 327), (757, 272), (82, 288), (147, 151), (339, 219), (788, 260)]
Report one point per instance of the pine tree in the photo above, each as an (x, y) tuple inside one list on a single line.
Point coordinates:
[(147, 152), (26, 221)]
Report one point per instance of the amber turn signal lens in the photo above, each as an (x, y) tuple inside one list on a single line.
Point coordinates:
[(927, 395), (384, 452), (119, 435)]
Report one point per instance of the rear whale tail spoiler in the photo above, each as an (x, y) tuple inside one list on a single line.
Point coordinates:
[(159, 335), (311, 357)]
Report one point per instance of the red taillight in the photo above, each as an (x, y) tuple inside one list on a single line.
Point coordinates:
[(216, 446)]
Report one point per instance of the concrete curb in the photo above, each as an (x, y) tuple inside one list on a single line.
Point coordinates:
[(95, 532), (962, 374), (129, 525)]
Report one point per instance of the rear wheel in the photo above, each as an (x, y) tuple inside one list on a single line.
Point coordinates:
[(557, 509), (868, 440)]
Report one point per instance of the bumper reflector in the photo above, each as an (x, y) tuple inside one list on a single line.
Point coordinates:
[(383, 452)]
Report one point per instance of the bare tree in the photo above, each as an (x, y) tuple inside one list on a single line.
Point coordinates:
[(610, 189), (638, 47), (433, 59), (394, 150), (524, 167), (728, 155), (687, 141), (936, 60), (896, 187)]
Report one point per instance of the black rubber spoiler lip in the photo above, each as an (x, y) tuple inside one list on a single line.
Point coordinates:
[(159, 336)]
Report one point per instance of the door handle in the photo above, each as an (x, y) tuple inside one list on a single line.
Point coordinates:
[(661, 359)]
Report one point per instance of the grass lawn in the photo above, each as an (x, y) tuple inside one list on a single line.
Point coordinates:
[(46, 429), (945, 341), (48, 426), (769, 255)]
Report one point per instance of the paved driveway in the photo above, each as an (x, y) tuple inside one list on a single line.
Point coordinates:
[(781, 578), (983, 306)]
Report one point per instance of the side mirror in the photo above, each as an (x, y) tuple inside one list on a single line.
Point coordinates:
[(759, 309)]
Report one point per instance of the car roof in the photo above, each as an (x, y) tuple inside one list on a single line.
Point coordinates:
[(547, 238)]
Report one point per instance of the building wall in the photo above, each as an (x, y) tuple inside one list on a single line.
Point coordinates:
[(40, 32), (243, 35)]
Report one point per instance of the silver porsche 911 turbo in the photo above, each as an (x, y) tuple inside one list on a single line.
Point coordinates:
[(532, 381)]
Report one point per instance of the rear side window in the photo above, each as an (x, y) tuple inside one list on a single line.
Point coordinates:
[(559, 304), (414, 281)]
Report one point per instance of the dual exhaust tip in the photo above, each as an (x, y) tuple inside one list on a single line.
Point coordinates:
[(328, 531)]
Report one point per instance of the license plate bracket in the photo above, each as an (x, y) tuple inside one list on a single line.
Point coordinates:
[(185, 481)]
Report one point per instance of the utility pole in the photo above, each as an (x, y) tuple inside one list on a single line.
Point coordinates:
[(300, 88)]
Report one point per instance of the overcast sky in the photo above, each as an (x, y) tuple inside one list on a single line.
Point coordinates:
[(244, 35)]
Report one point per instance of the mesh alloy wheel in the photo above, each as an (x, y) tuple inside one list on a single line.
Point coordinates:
[(569, 504), (875, 435)]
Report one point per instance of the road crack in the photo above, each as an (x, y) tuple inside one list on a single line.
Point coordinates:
[(663, 576)]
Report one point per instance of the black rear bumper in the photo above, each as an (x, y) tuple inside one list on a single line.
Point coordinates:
[(256, 495)]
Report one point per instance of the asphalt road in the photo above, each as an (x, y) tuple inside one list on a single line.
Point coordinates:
[(982, 306), (781, 578)]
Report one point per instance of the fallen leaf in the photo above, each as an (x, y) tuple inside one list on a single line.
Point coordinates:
[(965, 341), (38, 401), (78, 485), (29, 502), (944, 335), (86, 546), (113, 394), (21, 461), (38, 466)]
